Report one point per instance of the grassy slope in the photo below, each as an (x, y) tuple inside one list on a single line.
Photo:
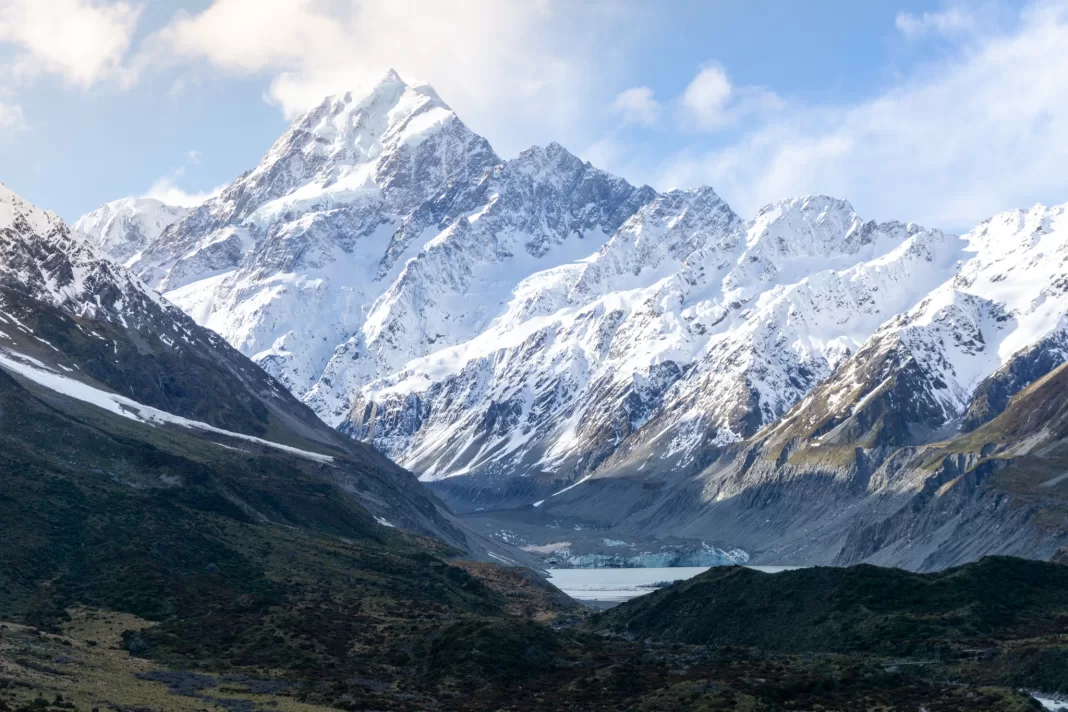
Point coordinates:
[(215, 544), (1038, 417), (203, 378)]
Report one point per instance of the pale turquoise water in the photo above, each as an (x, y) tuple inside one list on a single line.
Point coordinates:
[(617, 585)]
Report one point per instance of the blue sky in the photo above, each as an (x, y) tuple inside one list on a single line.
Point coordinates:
[(933, 111)]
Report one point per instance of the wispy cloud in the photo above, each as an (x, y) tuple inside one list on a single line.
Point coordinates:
[(982, 131), (712, 101), (81, 41), (167, 190), (11, 118), (953, 20), (637, 105), (708, 95)]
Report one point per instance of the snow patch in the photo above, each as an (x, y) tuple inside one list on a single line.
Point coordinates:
[(127, 408)]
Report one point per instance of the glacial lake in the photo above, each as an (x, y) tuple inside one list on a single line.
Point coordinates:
[(618, 585)]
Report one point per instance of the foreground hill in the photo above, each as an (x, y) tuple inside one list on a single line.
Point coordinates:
[(1000, 616)]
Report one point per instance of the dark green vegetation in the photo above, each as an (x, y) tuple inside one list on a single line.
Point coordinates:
[(244, 560), (206, 380), (254, 566), (1000, 618)]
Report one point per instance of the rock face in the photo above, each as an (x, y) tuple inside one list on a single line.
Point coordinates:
[(94, 344)]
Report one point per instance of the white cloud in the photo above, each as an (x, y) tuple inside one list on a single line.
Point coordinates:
[(637, 105), (712, 102), (958, 141), (519, 74), (274, 33), (953, 20), (707, 96), (167, 190), (11, 118), (82, 41)]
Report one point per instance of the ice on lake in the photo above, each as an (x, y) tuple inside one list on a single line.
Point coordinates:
[(1050, 702)]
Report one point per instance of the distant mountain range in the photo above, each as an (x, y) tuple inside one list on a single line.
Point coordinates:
[(537, 335)]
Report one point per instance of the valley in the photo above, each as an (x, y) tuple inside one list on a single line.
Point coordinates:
[(167, 549), (390, 422)]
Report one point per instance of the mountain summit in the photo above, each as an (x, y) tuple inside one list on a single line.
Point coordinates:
[(123, 228), (377, 229), (333, 172)]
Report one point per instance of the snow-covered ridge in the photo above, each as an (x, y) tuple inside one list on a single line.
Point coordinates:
[(669, 341), (18, 213), (41, 257), (120, 405), (1008, 294), (689, 325), (122, 228)]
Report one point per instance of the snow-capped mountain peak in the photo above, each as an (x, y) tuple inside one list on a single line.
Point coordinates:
[(335, 173), (358, 241), (16, 213), (351, 147), (122, 228)]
